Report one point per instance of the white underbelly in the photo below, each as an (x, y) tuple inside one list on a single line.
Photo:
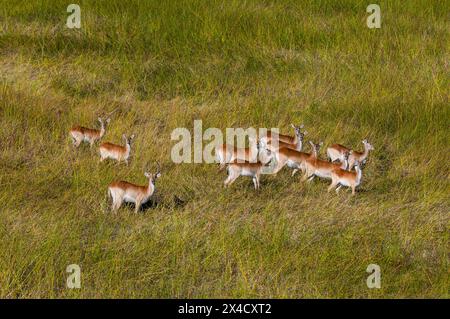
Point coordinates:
[(246, 172), (344, 182), (129, 199), (292, 164), (322, 174)]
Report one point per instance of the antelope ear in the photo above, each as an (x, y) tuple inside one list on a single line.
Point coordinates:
[(158, 175), (124, 136), (147, 174), (292, 125), (302, 125), (99, 119), (364, 141), (132, 136), (108, 120), (321, 143), (305, 133)]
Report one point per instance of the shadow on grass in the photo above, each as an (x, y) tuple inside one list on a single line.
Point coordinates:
[(156, 202)]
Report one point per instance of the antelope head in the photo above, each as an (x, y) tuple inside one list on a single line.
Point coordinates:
[(264, 154), (153, 177), (129, 140), (367, 145), (315, 148)]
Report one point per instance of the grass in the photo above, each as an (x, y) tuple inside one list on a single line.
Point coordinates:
[(161, 65)]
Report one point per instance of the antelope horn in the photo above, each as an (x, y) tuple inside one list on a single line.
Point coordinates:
[(110, 113)]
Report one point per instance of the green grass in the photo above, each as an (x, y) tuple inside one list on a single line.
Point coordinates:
[(232, 64)]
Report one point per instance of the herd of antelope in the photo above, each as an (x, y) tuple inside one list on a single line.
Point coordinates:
[(119, 191), (343, 166)]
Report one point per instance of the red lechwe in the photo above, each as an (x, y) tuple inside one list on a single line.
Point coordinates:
[(337, 151), (294, 159), (287, 141), (342, 177), (121, 191), (320, 168), (226, 153), (83, 134), (253, 170), (116, 152)]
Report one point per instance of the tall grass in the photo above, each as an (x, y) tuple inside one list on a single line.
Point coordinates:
[(162, 64)]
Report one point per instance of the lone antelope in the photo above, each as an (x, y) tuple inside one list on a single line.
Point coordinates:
[(253, 170), (227, 153), (116, 152), (295, 159), (337, 151), (346, 178), (317, 167), (124, 191), (83, 134), (294, 142)]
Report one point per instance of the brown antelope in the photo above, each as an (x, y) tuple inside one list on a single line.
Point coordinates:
[(83, 134), (317, 167), (337, 151), (294, 142), (253, 170), (294, 159), (274, 144), (227, 153), (116, 152), (342, 177), (127, 192)]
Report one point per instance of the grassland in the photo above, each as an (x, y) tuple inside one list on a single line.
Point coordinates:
[(163, 64)]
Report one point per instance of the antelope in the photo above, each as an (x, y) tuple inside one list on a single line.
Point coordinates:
[(83, 134), (337, 151), (253, 170), (226, 153), (124, 191), (116, 152), (346, 178), (274, 144), (317, 167), (294, 142), (294, 159)]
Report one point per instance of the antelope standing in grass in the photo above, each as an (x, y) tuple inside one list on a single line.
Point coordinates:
[(293, 142), (342, 177), (274, 144), (253, 170), (294, 159), (127, 192), (116, 152), (83, 134), (227, 153), (337, 151), (320, 168)]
